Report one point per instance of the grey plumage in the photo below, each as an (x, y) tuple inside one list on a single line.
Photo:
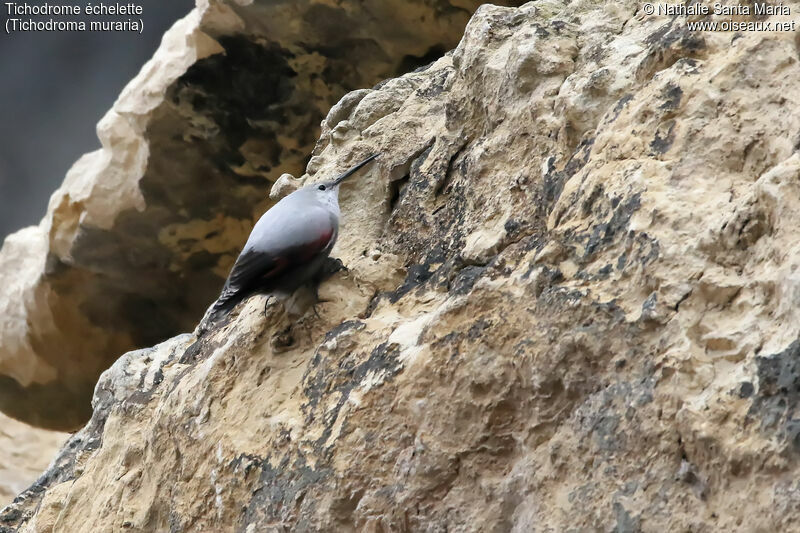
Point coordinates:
[(288, 244)]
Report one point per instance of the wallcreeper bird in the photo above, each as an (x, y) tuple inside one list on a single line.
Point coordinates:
[(287, 246)]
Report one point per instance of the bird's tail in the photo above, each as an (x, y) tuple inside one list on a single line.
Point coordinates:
[(216, 311)]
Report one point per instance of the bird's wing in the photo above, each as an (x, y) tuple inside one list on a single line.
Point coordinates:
[(249, 267)]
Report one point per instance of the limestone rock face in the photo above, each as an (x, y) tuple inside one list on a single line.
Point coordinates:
[(138, 240), (568, 301)]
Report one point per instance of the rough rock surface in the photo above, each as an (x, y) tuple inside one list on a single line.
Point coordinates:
[(25, 453), (139, 238), (569, 303)]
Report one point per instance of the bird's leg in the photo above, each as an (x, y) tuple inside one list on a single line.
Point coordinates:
[(269, 298), (317, 299), (315, 291)]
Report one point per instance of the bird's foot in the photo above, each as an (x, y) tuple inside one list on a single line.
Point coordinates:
[(269, 301)]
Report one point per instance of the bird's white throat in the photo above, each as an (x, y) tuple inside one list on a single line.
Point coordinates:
[(330, 199)]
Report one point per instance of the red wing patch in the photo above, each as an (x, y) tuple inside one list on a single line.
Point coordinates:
[(314, 247), (280, 265)]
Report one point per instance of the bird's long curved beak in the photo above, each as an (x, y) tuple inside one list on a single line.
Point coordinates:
[(353, 170)]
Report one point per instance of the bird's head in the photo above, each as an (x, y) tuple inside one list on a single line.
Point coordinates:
[(328, 191)]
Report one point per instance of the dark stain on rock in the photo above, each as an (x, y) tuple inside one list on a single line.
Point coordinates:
[(12, 515), (668, 45), (679, 36), (466, 278), (436, 270), (775, 404), (192, 352), (625, 522), (660, 35), (601, 274), (437, 85), (280, 492), (671, 94), (511, 226), (663, 140), (477, 329), (606, 431), (383, 357), (416, 276), (203, 347), (419, 181), (174, 520), (246, 463), (643, 248), (622, 260), (326, 378), (608, 415), (604, 233), (591, 200), (689, 65), (344, 326), (619, 106)]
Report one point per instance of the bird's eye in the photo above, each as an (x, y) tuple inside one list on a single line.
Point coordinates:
[(321, 187)]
